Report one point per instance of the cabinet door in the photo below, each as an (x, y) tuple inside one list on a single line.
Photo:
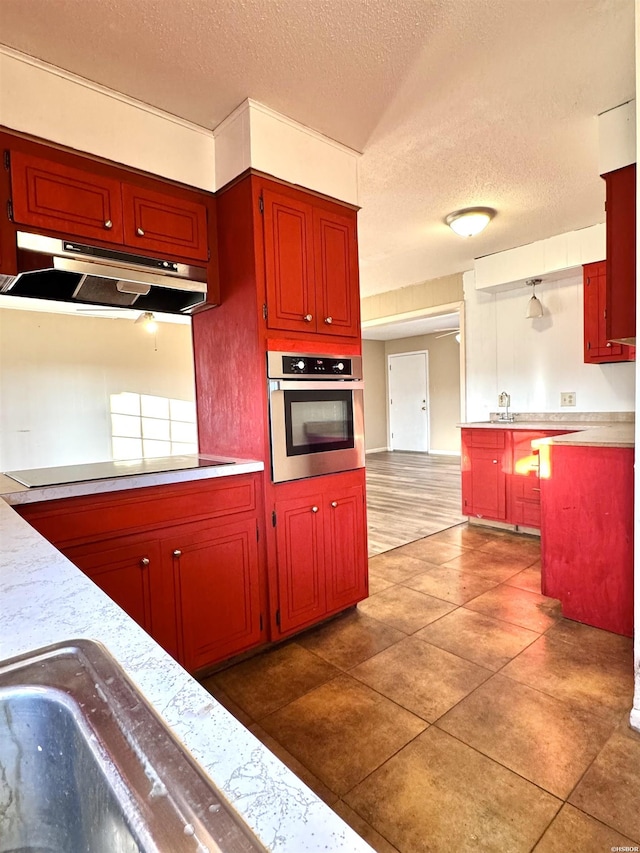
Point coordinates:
[(300, 555), (217, 574), (55, 197), (160, 222), (484, 478), (288, 247), (125, 574), (621, 252), (597, 349), (345, 548), (336, 262)]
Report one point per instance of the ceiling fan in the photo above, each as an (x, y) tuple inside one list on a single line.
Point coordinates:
[(447, 332)]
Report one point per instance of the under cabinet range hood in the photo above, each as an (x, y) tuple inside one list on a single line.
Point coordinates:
[(69, 271)]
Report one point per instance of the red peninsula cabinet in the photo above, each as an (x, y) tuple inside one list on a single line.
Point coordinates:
[(587, 534), (185, 561), (321, 546)]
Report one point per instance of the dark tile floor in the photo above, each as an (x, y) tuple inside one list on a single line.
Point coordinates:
[(455, 709)]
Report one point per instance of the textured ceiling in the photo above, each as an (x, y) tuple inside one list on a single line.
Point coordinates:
[(444, 323), (452, 102)]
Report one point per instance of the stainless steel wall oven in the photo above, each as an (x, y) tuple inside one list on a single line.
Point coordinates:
[(316, 414)]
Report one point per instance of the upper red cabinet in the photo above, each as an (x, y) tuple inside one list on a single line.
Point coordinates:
[(621, 253), (58, 192), (57, 197), (311, 264), (597, 348), (160, 222)]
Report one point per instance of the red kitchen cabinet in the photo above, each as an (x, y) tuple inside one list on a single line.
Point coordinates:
[(336, 258), (587, 534), (159, 222), (125, 575), (311, 265), (501, 474), (345, 548), (301, 562), (217, 578), (321, 548), (597, 349), (202, 593), (621, 253), (58, 197), (484, 479), (289, 273)]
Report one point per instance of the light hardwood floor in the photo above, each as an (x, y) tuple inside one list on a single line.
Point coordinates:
[(409, 496)]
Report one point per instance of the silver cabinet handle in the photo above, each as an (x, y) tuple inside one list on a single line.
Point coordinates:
[(140, 232), (144, 562), (314, 509), (108, 224), (177, 553), (495, 461), (308, 318), (328, 320)]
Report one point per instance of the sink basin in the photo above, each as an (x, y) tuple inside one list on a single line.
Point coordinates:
[(87, 766)]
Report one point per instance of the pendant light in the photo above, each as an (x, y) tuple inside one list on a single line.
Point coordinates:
[(534, 307)]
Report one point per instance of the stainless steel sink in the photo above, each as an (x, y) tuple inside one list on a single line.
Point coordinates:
[(87, 766)]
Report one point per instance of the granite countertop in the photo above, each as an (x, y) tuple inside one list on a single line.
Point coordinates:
[(46, 599), (588, 429)]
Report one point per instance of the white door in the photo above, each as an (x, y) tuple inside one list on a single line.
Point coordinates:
[(409, 401)]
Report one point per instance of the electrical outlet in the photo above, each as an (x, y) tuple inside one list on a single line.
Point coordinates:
[(567, 398)]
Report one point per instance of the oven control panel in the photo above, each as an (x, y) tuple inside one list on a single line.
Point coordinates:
[(286, 365), (315, 366)]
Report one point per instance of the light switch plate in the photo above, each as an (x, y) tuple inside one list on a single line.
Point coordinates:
[(567, 398)]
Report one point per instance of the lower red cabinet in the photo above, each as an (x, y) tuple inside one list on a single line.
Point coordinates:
[(321, 548), (217, 582), (501, 474), (197, 587), (124, 574), (483, 473)]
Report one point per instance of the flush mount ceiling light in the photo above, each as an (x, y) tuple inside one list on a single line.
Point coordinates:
[(470, 221), (148, 322), (534, 307)]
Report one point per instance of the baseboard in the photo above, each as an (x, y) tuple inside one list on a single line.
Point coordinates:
[(376, 450), (444, 453)]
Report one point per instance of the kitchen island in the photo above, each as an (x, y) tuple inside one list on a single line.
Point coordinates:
[(46, 599)]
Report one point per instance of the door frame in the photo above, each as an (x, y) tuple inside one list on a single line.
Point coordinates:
[(424, 352)]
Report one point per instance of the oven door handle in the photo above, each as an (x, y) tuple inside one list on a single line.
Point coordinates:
[(313, 385)]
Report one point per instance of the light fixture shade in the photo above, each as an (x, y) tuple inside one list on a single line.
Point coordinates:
[(470, 221), (148, 322), (534, 308)]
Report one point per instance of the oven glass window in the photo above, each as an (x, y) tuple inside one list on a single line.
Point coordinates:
[(318, 421)]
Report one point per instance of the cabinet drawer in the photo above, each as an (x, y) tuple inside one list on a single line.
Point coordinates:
[(490, 438), (155, 221), (103, 516), (55, 197)]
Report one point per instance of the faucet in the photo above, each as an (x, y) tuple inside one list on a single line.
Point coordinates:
[(504, 401)]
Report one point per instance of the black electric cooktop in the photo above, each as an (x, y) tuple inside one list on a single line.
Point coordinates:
[(64, 474)]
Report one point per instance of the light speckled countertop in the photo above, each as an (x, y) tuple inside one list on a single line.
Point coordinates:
[(615, 429), (46, 599)]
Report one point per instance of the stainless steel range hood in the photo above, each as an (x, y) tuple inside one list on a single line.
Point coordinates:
[(68, 271)]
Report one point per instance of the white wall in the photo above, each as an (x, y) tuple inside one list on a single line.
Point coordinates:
[(58, 371), (534, 360)]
